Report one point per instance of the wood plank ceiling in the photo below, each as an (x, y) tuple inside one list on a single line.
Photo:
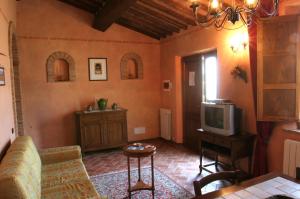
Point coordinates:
[(155, 18)]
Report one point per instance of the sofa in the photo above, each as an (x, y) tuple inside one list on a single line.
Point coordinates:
[(55, 173)]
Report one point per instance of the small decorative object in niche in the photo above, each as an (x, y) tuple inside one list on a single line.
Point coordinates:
[(131, 66), (239, 72), (97, 69), (2, 76), (60, 67), (167, 85)]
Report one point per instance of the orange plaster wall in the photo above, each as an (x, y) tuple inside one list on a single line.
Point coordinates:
[(197, 40), (7, 14), (46, 26)]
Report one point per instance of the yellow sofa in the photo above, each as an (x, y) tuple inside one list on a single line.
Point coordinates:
[(52, 173)]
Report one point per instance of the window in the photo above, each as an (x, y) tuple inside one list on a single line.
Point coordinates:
[(210, 75)]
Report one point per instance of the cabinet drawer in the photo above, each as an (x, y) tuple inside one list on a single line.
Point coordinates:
[(207, 138), (222, 142), (91, 118)]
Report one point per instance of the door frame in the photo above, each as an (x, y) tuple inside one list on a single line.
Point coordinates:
[(15, 81), (194, 56), (201, 54)]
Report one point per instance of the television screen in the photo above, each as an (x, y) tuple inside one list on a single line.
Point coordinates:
[(214, 117)]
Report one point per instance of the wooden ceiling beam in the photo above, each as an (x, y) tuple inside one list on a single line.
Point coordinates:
[(146, 9), (110, 12), (150, 25), (130, 25), (179, 7), (155, 20), (81, 5), (167, 9)]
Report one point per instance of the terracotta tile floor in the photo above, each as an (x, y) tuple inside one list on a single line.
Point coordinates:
[(174, 160)]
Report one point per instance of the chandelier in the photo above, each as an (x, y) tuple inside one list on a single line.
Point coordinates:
[(219, 13)]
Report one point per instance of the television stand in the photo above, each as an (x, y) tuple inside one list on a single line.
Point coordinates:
[(234, 147)]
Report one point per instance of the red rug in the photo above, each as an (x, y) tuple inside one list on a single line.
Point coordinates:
[(115, 185)]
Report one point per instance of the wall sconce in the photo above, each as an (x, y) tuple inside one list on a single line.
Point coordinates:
[(239, 41)]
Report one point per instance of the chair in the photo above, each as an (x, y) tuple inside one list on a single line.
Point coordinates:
[(231, 176)]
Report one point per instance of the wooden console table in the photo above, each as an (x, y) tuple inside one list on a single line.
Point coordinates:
[(235, 147), (139, 150)]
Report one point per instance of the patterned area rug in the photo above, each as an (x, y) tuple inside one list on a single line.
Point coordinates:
[(115, 185)]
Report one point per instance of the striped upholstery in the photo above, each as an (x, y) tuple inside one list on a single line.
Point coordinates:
[(64, 172), (60, 154), (60, 174), (20, 171)]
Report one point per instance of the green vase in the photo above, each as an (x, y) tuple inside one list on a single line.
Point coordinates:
[(102, 103)]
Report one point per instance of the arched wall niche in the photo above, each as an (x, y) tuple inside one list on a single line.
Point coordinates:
[(60, 67), (131, 66)]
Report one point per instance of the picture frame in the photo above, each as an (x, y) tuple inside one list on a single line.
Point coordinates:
[(98, 69), (2, 76)]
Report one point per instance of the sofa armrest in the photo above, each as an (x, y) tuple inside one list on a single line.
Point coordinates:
[(60, 154)]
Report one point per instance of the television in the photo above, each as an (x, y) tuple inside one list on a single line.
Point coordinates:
[(221, 118)]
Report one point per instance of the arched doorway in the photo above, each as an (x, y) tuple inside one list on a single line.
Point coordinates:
[(15, 80)]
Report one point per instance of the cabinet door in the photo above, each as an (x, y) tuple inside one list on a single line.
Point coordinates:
[(116, 134), (278, 69), (92, 135)]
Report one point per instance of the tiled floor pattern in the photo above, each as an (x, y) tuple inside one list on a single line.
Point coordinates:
[(174, 160)]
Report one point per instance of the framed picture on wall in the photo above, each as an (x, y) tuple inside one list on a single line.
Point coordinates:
[(2, 76), (97, 69)]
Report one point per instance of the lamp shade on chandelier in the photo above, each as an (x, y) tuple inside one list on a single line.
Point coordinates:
[(219, 13)]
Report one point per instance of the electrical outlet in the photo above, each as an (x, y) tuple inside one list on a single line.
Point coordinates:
[(139, 130)]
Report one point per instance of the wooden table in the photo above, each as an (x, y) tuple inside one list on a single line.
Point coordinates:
[(235, 147), (139, 150), (247, 184)]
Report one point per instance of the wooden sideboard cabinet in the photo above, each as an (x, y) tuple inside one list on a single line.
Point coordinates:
[(98, 130)]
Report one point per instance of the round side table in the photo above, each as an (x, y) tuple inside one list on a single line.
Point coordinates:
[(139, 150)]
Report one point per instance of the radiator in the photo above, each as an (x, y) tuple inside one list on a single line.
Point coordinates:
[(291, 157), (165, 123)]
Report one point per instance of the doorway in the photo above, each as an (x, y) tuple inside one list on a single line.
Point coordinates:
[(15, 82), (199, 84)]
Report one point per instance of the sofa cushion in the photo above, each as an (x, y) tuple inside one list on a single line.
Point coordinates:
[(59, 154), (82, 189), (64, 172), (20, 171)]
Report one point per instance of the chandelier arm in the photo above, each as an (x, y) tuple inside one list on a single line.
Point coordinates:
[(206, 25), (221, 24), (243, 19), (211, 19), (234, 13)]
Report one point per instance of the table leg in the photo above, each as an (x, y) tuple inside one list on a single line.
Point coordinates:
[(129, 187), (152, 171), (139, 169), (216, 162), (200, 166)]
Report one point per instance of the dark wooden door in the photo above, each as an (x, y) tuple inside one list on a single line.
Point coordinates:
[(192, 98)]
